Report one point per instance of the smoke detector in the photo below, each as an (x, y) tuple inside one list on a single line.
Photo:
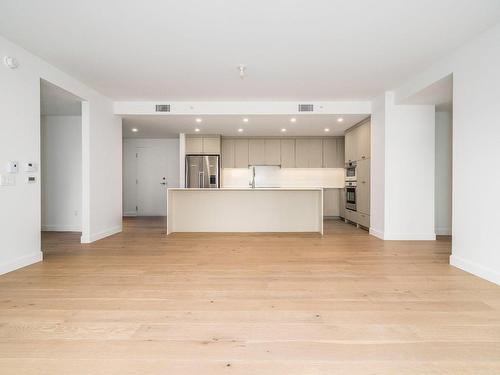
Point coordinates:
[(242, 69), (10, 62)]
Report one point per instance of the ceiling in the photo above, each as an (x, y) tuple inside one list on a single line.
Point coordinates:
[(169, 126), (293, 50), (54, 101)]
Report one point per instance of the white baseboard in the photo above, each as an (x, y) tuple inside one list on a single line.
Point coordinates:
[(21, 262), (410, 236), (100, 235), (443, 231), (402, 236), (376, 233), (476, 269), (130, 214), (61, 228)]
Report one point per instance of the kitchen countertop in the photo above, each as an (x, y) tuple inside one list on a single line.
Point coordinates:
[(249, 189)]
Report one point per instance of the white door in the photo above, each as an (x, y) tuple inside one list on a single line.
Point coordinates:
[(152, 181)]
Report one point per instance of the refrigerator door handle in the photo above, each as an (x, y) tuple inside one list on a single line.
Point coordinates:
[(201, 182)]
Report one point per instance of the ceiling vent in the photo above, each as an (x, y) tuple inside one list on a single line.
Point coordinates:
[(306, 107), (163, 108)]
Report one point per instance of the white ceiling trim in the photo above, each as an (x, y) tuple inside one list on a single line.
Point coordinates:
[(242, 108)]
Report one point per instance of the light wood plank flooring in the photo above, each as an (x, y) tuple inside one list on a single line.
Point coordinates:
[(347, 303)]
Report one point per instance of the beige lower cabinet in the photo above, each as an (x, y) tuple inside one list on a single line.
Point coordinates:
[(363, 219), (241, 153), (288, 153), (351, 216), (342, 203), (331, 202)]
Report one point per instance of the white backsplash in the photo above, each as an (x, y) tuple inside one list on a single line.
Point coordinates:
[(284, 177)]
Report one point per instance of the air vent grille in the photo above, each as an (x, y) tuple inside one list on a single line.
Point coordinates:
[(306, 107), (163, 108)]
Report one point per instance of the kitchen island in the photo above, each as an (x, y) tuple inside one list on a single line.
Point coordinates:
[(245, 210)]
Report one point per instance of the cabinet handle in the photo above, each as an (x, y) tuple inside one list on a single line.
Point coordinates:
[(363, 157)]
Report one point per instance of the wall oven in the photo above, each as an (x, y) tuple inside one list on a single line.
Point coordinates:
[(350, 195), (350, 171)]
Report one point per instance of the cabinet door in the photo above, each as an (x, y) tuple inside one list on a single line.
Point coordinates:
[(363, 138), (363, 187), (256, 152), (331, 202), (315, 153), (340, 153), (350, 146), (330, 153), (342, 203), (272, 151), (227, 155), (194, 145), (288, 153), (241, 153), (211, 145), (302, 153)]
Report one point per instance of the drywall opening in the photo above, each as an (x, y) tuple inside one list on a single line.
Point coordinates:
[(61, 161), (440, 94)]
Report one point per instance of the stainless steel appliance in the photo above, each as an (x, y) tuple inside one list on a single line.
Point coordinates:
[(202, 171), (350, 171), (350, 195)]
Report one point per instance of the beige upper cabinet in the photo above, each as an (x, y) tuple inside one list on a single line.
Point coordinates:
[(256, 152), (227, 158), (308, 153), (363, 186), (241, 153), (203, 145), (288, 153), (357, 143), (333, 153), (211, 145), (363, 140), (272, 151), (194, 145)]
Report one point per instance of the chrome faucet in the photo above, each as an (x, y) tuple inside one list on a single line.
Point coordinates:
[(252, 182)]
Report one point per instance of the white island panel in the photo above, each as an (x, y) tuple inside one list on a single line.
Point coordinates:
[(245, 210)]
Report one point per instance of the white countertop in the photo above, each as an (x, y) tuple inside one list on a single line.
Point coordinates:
[(249, 189)]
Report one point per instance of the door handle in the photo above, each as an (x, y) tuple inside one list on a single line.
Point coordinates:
[(163, 183)]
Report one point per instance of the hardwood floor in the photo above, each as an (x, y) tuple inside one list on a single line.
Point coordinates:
[(347, 303)]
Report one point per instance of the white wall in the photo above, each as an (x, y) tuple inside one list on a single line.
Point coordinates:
[(476, 135), (61, 173), (443, 189), (20, 218), (171, 150), (408, 170)]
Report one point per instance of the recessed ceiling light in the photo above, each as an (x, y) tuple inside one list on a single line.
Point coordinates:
[(199, 120), (196, 130), (283, 130), (240, 130), (340, 119), (245, 120), (135, 130), (293, 119), (327, 130)]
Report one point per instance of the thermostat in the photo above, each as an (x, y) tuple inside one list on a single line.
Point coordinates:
[(12, 167)]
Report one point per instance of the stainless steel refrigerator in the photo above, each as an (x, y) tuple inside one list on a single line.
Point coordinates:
[(202, 171)]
